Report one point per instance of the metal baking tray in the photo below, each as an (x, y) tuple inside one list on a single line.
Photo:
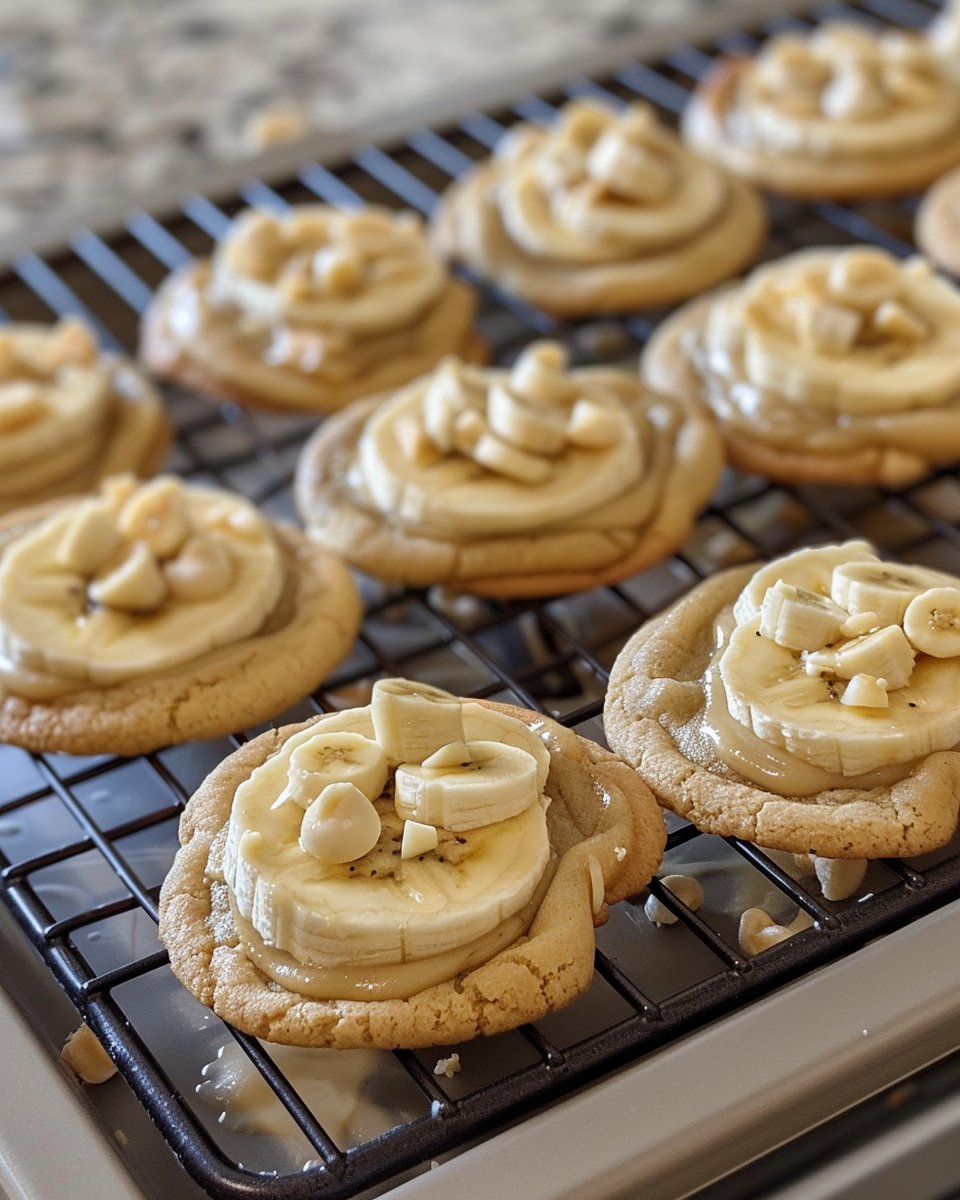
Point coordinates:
[(85, 842)]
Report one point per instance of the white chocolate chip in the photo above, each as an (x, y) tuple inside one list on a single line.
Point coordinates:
[(839, 877), (893, 320), (84, 1055), (687, 890), (418, 839), (157, 514), (136, 585), (866, 691), (202, 570), (758, 931), (340, 826), (90, 538)]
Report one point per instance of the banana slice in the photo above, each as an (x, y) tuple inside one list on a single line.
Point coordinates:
[(810, 569), (882, 588), (932, 621), (768, 690), (799, 619), (412, 720), (330, 758), (403, 909), (493, 783)]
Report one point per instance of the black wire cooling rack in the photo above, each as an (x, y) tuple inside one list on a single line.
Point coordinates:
[(111, 823)]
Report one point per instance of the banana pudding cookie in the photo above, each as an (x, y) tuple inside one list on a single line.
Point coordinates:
[(416, 872), (526, 482), (607, 210), (156, 614), (839, 366), (70, 416), (307, 311), (841, 112), (808, 705)]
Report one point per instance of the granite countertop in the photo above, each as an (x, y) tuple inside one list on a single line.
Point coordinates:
[(104, 104)]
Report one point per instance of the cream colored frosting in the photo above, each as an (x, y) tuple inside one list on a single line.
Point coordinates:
[(467, 452), (602, 186), (130, 583), (836, 349), (59, 401), (843, 90), (380, 925)]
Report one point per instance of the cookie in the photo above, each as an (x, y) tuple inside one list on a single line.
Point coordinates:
[(805, 705), (70, 416), (154, 615), (305, 312), (826, 366), (937, 227), (841, 112), (481, 928), (606, 210), (533, 481)]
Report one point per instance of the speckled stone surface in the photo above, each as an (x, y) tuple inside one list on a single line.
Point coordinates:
[(103, 102)]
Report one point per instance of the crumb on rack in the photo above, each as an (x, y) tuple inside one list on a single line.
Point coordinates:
[(272, 126), (86, 1058), (448, 1066)]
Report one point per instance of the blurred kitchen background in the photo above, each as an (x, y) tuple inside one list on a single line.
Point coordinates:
[(107, 105)]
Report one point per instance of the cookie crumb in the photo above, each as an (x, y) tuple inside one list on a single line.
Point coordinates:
[(620, 853), (121, 1138), (448, 1066), (272, 126), (86, 1057)]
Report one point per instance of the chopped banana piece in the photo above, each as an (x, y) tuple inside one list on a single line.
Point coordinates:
[(499, 782), (883, 589), (443, 400), (157, 514), (799, 619), (866, 691), (861, 622), (418, 839), (499, 456), (412, 720), (415, 444), (827, 328), (90, 538), (341, 825), (864, 278), (456, 754), (885, 654)]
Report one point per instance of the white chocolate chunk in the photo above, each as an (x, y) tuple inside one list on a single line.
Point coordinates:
[(758, 931), (866, 691), (137, 585), (839, 877), (157, 514), (418, 839), (84, 1055), (885, 654), (202, 570), (341, 825), (448, 1066)]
